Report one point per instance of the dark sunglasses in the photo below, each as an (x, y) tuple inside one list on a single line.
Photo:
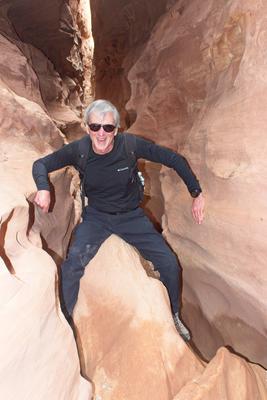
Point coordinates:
[(107, 127)]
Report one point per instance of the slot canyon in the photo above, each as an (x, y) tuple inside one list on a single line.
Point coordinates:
[(189, 75)]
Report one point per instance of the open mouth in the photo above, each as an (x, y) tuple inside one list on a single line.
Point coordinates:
[(101, 140)]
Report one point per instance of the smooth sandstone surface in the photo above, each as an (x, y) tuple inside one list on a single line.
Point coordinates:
[(199, 87), (197, 84), (195, 79), (128, 344), (39, 359), (38, 353), (227, 377), (127, 340)]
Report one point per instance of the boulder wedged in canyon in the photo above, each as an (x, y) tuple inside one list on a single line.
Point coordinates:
[(199, 87), (128, 344)]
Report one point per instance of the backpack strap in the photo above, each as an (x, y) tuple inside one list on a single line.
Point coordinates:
[(84, 147), (130, 146)]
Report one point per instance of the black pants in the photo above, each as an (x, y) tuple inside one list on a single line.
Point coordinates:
[(136, 229)]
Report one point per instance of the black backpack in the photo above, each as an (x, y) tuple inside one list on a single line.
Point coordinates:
[(130, 146), (84, 146)]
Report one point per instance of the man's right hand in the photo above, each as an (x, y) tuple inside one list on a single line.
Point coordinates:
[(42, 199)]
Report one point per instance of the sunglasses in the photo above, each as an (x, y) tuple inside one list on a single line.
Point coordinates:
[(107, 127)]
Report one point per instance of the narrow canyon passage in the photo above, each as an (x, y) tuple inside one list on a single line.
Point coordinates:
[(182, 74), (187, 75)]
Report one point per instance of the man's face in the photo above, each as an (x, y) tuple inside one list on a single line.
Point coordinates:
[(102, 141)]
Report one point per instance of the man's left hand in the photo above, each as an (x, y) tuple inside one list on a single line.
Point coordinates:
[(198, 208)]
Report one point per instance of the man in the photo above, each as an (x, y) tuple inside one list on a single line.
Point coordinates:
[(111, 185)]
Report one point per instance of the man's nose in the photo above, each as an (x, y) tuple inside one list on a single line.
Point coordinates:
[(102, 131)]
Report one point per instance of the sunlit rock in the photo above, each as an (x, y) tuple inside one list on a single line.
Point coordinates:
[(128, 344), (194, 79), (39, 358), (127, 340), (227, 377), (199, 87), (38, 353)]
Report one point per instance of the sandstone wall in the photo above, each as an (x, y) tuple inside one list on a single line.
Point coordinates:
[(55, 39), (194, 77), (39, 359), (120, 28), (199, 87)]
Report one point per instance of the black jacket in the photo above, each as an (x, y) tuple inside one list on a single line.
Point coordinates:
[(108, 178)]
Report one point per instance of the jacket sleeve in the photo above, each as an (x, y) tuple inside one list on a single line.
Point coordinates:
[(67, 155), (159, 154)]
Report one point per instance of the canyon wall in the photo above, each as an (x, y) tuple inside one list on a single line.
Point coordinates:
[(197, 84), (39, 358), (55, 43), (206, 99), (190, 76), (120, 28)]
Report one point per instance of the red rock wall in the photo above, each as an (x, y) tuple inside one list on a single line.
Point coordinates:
[(120, 28), (198, 85), (56, 41), (192, 77), (35, 101)]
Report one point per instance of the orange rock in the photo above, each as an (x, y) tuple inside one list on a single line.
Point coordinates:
[(199, 86), (227, 377), (38, 355), (128, 345)]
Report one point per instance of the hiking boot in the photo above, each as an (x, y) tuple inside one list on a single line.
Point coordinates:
[(181, 329)]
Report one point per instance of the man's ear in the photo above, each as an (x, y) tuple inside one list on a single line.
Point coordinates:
[(116, 131)]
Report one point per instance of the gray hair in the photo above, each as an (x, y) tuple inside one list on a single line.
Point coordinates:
[(102, 107)]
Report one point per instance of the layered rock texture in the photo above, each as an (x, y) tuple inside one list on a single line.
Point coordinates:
[(198, 85), (39, 358), (120, 28), (47, 47), (129, 346), (188, 75)]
